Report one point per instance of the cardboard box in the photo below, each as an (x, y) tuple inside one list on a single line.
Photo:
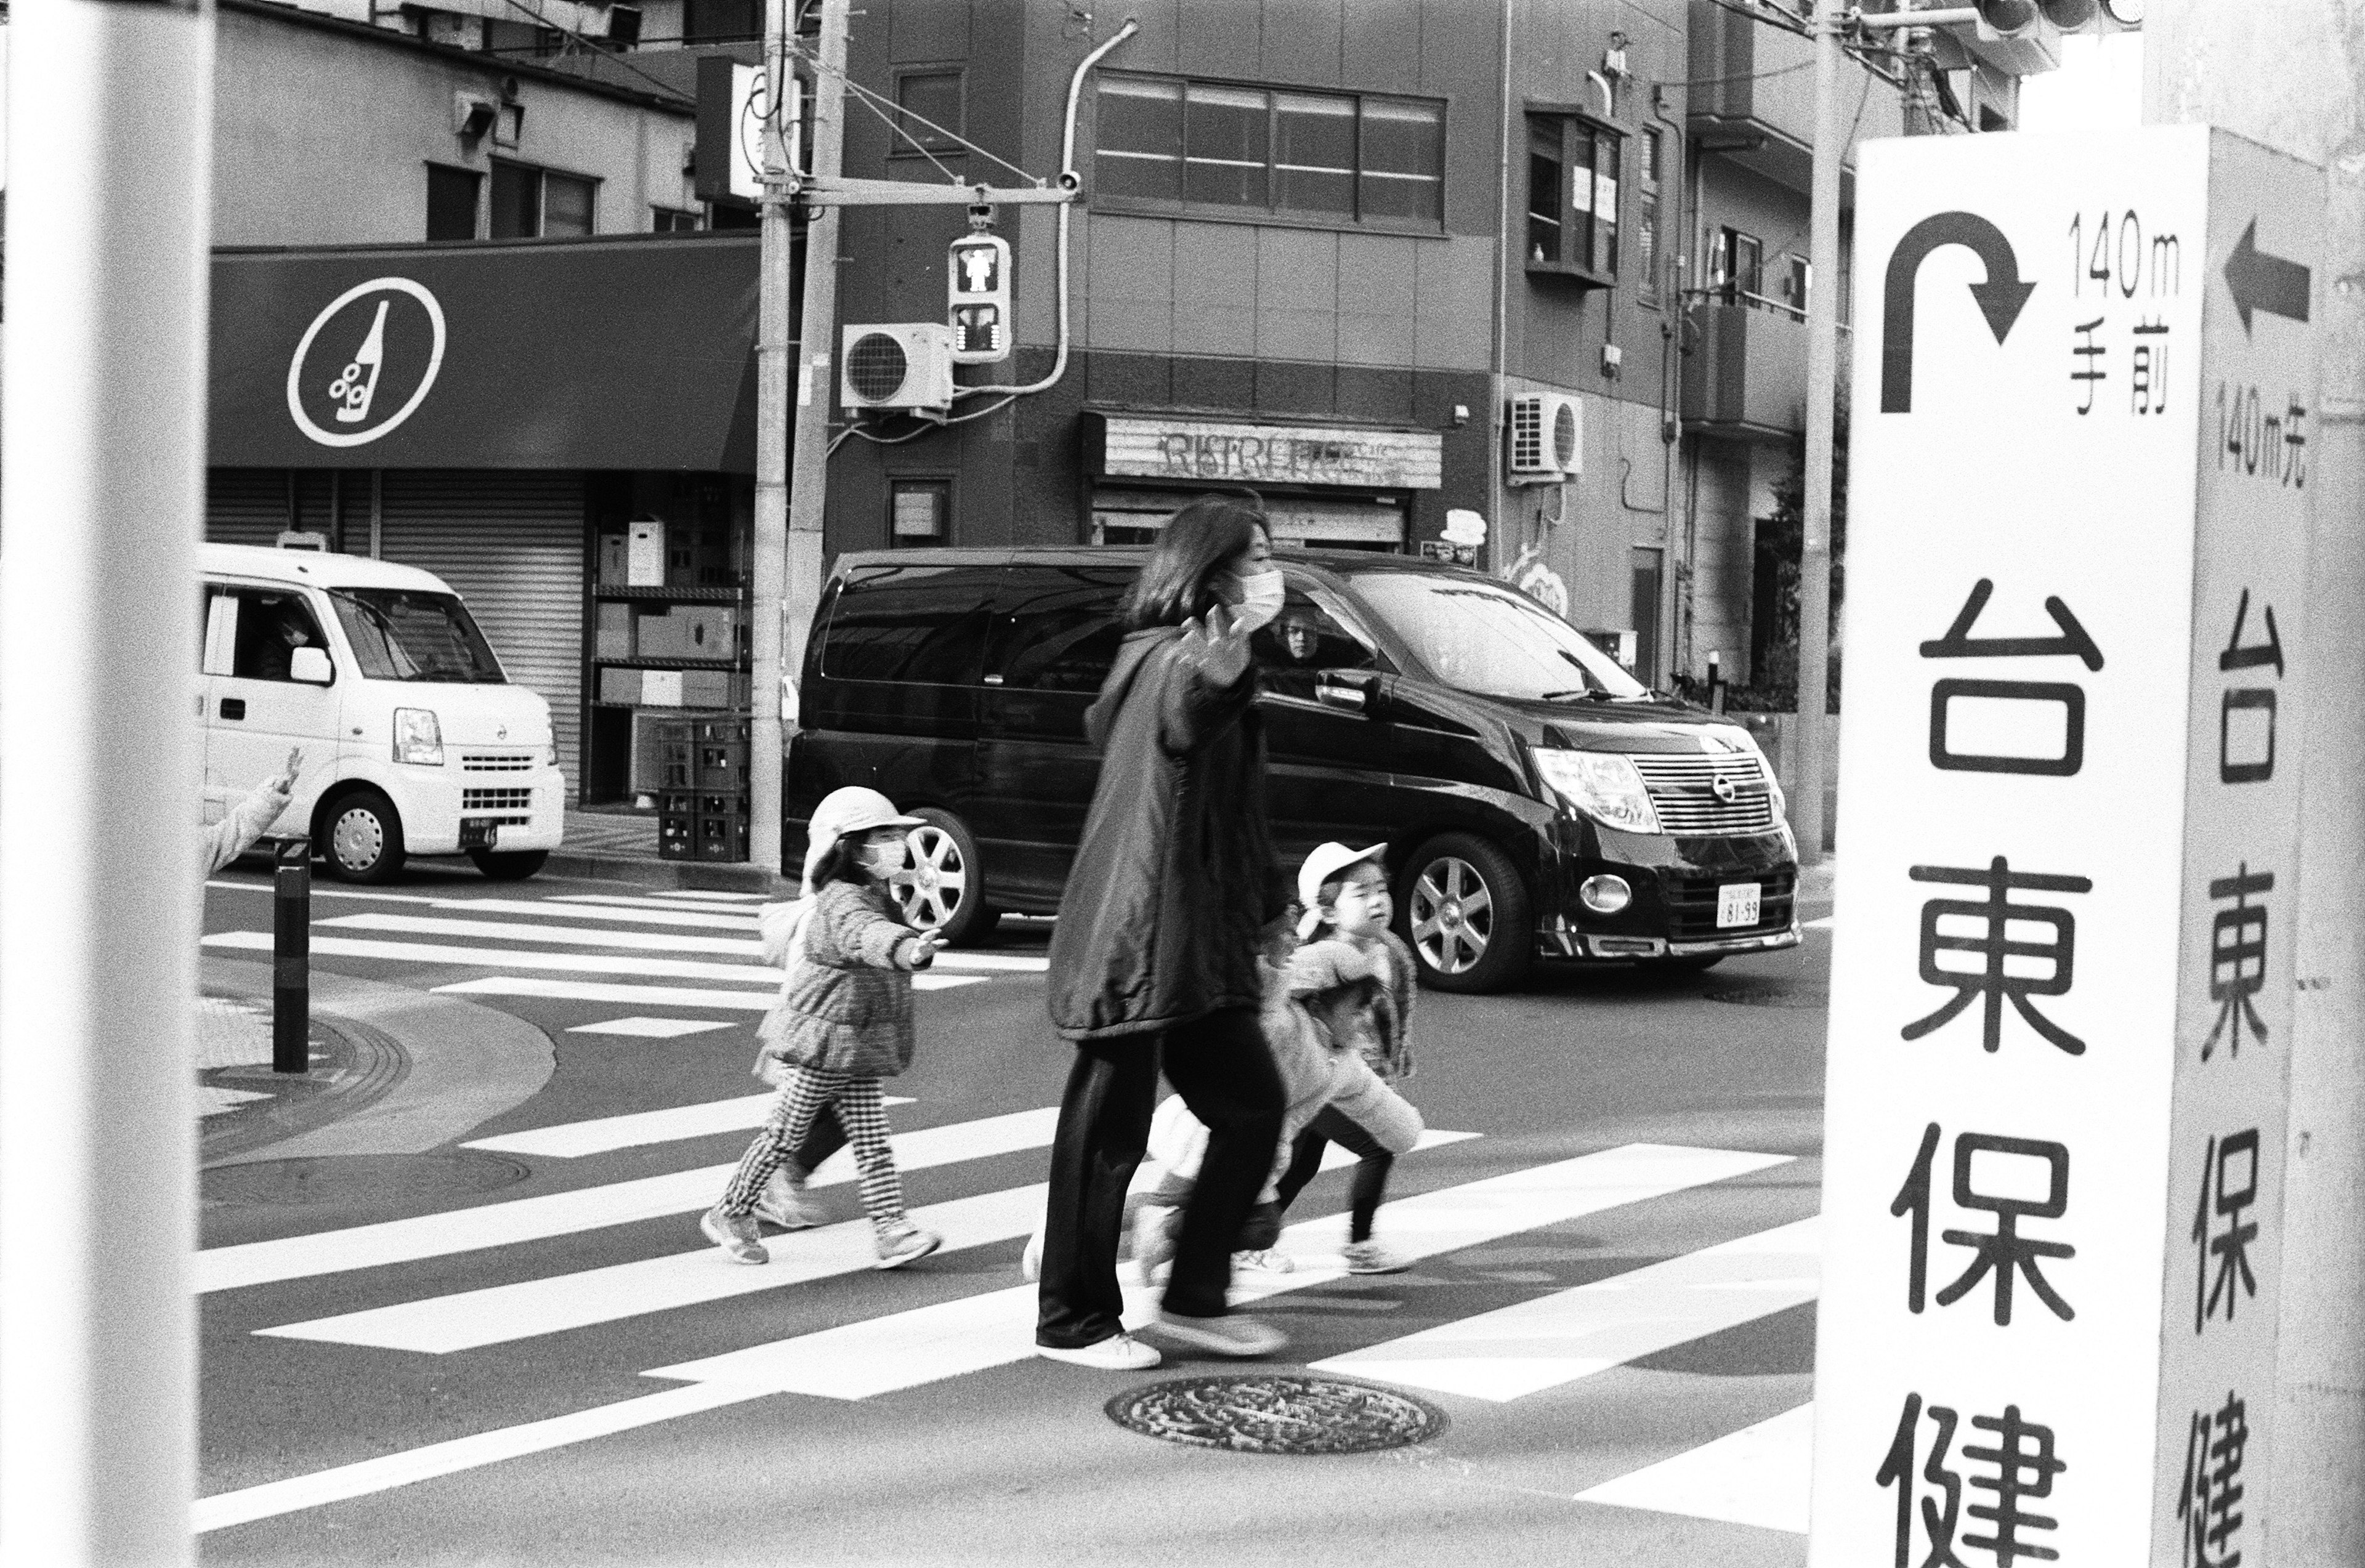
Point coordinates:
[(614, 636), (704, 631), (619, 685), (614, 570), (705, 688), (645, 553), (658, 637), (660, 688)]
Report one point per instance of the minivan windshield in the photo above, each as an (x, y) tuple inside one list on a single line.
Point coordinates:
[(405, 635), (1489, 640)]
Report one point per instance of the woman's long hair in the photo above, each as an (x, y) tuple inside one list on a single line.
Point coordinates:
[(1178, 581)]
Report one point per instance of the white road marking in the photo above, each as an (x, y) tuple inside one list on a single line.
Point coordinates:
[(906, 1349), (647, 1029), (468, 1319), (620, 901), (602, 1135), (508, 958), (387, 1472), (1557, 1339), (714, 894), (1825, 923), (587, 1208), (684, 919), (531, 931), (658, 995), (320, 893), (1759, 1476)]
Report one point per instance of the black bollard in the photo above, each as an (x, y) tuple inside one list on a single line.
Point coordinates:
[(291, 958)]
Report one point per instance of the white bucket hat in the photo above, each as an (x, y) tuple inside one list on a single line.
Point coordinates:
[(1327, 861), (853, 810)]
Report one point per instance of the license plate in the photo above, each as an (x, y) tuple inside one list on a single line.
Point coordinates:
[(479, 835), (1736, 904)]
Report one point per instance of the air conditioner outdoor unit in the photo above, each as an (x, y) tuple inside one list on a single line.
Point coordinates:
[(897, 364), (1547, 437)]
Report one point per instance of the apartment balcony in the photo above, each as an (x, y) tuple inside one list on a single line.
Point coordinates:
[(1756, 105), (1745, 375)]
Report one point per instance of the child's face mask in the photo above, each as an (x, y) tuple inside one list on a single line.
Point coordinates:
[(882, 853)]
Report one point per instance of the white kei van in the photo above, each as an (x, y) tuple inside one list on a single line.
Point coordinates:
[(415, 742)]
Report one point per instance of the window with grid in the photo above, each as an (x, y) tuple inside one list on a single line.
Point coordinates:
[(1646, 214), (1573, 196), (1346, 157)]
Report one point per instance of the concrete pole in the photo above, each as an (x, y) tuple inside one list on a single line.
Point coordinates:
[(790, 526), (773, 378), (2291, 73), (109, 147), (1807, 770)]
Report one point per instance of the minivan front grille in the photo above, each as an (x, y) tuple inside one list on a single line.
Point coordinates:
[(496, 800), (1684, 790), (496, 761), (1691, 904)]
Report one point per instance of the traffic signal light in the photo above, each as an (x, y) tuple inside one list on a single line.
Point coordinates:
[(977, 294), (2018, 19)]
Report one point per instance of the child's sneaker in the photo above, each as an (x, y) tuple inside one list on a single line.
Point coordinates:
[(736, 1234), (903, 1244), (1265, 1259), (1374, 1258), (786, 1205)]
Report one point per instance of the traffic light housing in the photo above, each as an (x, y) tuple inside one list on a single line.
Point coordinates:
[(2019, 18), (976, 297)]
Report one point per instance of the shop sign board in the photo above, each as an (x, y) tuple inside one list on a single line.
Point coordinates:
[(2062, 981), (1162, 448)]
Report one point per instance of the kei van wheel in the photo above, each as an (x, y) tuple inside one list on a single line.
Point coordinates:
[(1465, 915), (940, 886), (361, 837)]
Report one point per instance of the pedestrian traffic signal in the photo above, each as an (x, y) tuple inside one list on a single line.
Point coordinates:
[(977, 291)]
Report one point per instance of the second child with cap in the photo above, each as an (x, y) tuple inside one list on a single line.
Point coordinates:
[(843, 1022)]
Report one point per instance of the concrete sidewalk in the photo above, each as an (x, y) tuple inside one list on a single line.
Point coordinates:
[(621, 846)]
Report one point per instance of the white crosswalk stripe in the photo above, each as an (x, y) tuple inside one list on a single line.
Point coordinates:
[(604, 1135), (1759, 1476)]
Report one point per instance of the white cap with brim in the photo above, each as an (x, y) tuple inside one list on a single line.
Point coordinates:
[(1327, 862), (848, 811)]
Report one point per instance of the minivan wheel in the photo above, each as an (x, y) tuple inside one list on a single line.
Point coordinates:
[(361, 837), (509, 866), (939, 887), (1465, 913)]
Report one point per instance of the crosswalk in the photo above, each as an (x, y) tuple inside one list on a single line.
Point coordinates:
[(1547, 1342), (675, 959)]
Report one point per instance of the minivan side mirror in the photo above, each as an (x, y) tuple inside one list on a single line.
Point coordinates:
[(1355, 691), (311, 666)]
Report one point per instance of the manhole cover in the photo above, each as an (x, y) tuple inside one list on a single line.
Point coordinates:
[(1277, 1413), (359, 1179), (1772, 996)]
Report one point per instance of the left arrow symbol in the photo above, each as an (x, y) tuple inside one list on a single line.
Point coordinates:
[(2260, 282), (1999, 297)]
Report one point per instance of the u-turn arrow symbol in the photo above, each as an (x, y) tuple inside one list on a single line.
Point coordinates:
[(1999, 297)]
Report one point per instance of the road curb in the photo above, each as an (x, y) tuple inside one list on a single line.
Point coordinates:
[(454, 1065), (709, 875)]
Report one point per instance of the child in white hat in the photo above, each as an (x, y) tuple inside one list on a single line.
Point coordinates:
[(841, 1025)]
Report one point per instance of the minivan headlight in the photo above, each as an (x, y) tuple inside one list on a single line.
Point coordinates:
[(1602, 785), (418, 738)]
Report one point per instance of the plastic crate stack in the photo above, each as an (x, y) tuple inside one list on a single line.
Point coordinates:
[(702, 798)]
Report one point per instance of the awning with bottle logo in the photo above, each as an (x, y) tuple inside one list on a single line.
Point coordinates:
[(630, 351)]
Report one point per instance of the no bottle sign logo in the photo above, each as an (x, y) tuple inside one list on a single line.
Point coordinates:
[(366, 361)]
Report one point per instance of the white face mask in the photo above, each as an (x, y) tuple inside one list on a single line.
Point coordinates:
[(1263, 594)]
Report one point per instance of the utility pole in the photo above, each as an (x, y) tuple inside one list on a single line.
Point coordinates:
[(2222, 66), (1812, 754), (101, 475), (789, 554)]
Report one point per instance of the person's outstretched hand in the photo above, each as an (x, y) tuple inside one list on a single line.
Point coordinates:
[(284, 784), (1217, 644), (931, 942)]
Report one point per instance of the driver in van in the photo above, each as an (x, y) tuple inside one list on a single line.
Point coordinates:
[(1301, 638), (276, 650)]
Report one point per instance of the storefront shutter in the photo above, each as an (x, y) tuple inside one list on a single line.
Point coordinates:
[(245, 505), (511, 544)]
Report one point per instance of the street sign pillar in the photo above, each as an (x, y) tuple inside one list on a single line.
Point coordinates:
[(2062, 983)]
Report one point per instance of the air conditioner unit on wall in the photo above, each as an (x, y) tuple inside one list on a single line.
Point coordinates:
[(1547, 434), (896, 365)]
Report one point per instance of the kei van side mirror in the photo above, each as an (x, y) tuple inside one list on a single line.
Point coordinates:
[(311, 666), (1354, 690)]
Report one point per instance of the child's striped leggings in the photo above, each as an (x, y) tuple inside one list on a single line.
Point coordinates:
[(864, 1117)]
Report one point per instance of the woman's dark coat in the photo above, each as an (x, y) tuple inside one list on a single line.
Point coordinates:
[(1175, 878)]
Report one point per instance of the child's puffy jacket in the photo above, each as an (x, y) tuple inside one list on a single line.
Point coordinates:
[(1356, 1001), (847, 1006)]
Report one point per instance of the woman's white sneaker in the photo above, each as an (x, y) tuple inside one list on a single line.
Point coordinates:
[(1118, 1353), (1373, 1257), (1225, 1336)]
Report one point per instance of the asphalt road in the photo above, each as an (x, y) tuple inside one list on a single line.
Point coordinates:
[(549, 1365)]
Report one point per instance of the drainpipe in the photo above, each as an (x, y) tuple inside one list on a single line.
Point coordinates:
[(1497, 358)]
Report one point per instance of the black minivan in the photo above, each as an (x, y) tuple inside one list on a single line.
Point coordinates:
[(1534, 796)]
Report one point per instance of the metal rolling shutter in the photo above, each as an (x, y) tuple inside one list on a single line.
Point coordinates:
[(511, 545), (245, 505)]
